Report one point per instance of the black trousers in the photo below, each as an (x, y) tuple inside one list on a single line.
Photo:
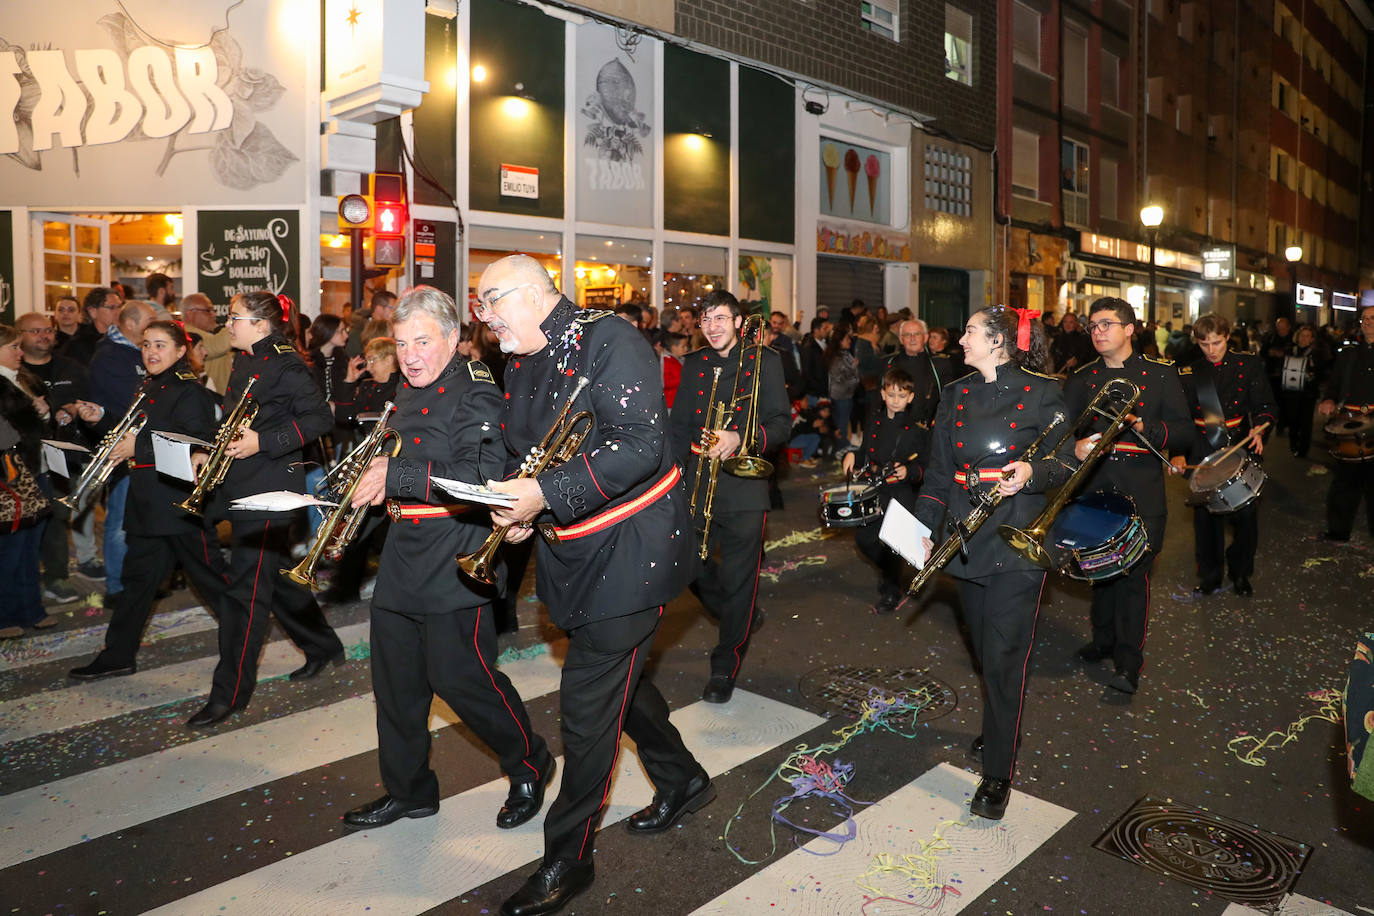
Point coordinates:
[(1121, 605), (889, 563), (1300, 407), (452, 654), (256, 593), (1350, 481), (351, 568), (1000, 612), (728, 583), (604, 694), (148, 563), (506, 607), (1209, 544), (54, 551)]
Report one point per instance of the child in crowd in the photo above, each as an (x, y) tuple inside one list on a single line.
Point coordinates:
[(892, 455), (813, 432)]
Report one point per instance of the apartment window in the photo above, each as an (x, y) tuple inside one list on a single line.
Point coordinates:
[(1278, 167), (1025, 164), (1187, 15), (1154, 97), (948, 181), (1073, 185), (958, 45), (1106, 200), (1075, 68), (880, 17), (1111, 79), (1025, 36)]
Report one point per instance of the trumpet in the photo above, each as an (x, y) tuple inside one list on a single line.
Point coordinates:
[(102, 463), (212, 473), (341, 526), (984, 505), (559, 444), (1030, 542)]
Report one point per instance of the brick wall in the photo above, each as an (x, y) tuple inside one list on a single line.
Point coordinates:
[(823, 40), (656, 14)]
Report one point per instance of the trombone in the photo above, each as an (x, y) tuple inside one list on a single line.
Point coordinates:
[(101, 465), (559, 444), (746, 464), (213, 472), (342, 524)]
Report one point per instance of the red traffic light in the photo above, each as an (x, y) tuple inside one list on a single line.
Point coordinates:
[(389, 218)]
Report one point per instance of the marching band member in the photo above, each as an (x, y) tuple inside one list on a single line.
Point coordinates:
[(618, 553), (727, 582), (1121, 605), (985, 422), (291, 413), (1351, 387), (432, 627), (1229, 397), (159, 536)]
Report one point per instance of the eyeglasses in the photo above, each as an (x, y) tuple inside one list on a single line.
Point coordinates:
[(1104, 325), (39, 331), (196, 308), (718, 319), (489, 304), (242, 318)]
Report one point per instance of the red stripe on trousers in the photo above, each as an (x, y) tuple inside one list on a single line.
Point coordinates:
[(478, 652), (248, 631)]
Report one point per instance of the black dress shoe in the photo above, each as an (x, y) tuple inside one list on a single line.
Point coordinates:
[(1092, 652), (669, 807), (975, 750), (98, 669), (525, 799), (385, 810), (313, 666), (990, 801), (760, 618), (551, 886), (1243, 587), (1125, 681), (1204, 589), (212, 713), (718, 689)]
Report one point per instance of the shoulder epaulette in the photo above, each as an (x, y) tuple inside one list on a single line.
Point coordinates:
[(1038, 374), (1086, 366), (478, 372), (1185, 370), (587, 316), (284, 348), (1157, 360), (187, 376)]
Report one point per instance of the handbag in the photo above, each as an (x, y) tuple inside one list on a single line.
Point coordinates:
[(21, 501)]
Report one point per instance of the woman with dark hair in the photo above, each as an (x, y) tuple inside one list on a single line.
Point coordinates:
[(159, 536), (291, 414), (24, 410), (981, 432), (842, 367)]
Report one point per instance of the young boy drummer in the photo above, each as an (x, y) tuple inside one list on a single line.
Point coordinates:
[(893, 451)]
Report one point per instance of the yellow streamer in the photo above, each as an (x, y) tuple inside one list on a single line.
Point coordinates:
[(1330, 711), (917, 870), (797, 538)]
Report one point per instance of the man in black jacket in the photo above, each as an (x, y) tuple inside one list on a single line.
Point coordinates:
[(1350, 387), (916, 361), (102, 308), (614, 554), (815, 380), (432, 626), (727, 580)]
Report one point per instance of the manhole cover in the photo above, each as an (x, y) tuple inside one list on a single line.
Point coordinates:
[(1232, 860), (846, 687)]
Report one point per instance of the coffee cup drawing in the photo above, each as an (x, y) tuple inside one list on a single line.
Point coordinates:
[(212, 265)]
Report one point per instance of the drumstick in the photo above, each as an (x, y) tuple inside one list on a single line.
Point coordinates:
[(1231, 450)]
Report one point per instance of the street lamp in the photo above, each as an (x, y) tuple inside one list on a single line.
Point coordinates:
[(1293, 254), (1150, 218)]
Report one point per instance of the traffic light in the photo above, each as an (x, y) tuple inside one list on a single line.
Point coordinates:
[(389, 224), (355, 211)]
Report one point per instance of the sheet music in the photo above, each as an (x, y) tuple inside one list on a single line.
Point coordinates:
[(172, 454), (474, 493), (54, 452), (277, 501), (903, 531)]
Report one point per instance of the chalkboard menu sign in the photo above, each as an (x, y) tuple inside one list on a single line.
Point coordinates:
[(6, 268), (243, 250)]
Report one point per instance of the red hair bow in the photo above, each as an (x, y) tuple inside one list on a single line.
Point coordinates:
[(1023, 327), (287, 305)]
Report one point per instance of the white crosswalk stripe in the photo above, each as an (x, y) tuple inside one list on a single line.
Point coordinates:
[(82, 641)]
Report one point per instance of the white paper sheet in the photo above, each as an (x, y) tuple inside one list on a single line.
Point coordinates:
[(55, 453), (277, 501), (903, 531), (474, 493), (172, 454)]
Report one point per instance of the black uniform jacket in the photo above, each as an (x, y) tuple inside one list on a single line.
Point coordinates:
[(1130, 468), (1246, 399), (291, 414), (690, 409), (925, 372), (893, 441), (619, 501), (1351, 382), (980, 428), (366, 395), (176, 403), (449, 428)]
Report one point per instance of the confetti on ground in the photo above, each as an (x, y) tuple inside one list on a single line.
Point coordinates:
[(798, 537), (1198, 699), (514, 654), (917, 871), (773, 571), (1314, 562), (1330, 712)]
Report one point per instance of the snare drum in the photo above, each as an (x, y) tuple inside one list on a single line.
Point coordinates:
[(1351, 435), (850, 506), (1097, 537), (1225, 483)]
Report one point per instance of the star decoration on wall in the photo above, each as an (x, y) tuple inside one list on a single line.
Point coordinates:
[(353, 15)]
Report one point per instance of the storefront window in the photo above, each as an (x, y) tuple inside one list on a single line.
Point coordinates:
[(488, 244), (690, 272), (766, 279), (609, 271)]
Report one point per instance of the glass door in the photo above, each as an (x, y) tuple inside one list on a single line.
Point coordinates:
[(71, 257)]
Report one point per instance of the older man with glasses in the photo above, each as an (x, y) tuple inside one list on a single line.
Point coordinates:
[(1121, 605), (927, 371), (102, 306), (198, 312)]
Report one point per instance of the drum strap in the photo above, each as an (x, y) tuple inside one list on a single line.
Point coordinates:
[(1213, 419)]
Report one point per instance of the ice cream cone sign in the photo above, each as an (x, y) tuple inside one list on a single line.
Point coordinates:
[(871, 170), (830, 158), (851, 171)]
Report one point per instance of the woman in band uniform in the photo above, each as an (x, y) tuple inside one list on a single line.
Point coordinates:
[(985, 423), (291, 414), (158, 534)]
